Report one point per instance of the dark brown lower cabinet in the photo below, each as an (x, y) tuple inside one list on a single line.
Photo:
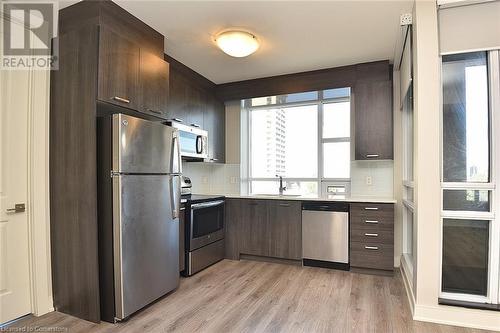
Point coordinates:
[(267, 228), (285, 220), (254, 230), (372, 236)]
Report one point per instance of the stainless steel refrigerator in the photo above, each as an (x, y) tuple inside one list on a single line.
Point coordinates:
[(139, 165)]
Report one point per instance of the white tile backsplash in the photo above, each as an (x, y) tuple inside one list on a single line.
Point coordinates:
[(381, 174), (214, 178)]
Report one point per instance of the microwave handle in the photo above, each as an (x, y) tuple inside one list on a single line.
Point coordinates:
[(199, 144)]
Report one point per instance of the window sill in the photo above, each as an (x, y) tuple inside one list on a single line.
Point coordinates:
[(469, 305)]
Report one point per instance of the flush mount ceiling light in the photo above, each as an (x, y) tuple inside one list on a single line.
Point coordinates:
[(237, 43)]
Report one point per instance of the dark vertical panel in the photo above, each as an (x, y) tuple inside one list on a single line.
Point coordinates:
[(73, 206)]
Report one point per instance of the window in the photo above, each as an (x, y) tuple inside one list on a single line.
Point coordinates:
[(303, 137), (469, 245)]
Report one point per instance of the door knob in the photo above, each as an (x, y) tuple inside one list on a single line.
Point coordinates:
[(18, 208)]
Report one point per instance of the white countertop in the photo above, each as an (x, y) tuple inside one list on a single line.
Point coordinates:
[(366, 199)]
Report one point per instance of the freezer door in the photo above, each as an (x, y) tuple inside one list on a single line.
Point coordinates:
[(142, 146), (146, 241)]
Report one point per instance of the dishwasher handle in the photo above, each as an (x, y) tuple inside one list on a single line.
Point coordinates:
[(326, 206)]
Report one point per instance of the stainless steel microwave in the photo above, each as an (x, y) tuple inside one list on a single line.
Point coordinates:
[(193, 141)]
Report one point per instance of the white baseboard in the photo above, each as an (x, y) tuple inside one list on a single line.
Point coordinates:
[(407, 281), (457, 316)]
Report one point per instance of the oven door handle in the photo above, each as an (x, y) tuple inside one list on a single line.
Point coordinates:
[(207, 204)]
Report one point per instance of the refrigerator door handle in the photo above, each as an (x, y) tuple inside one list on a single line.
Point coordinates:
[(175, 159), (175, 195)]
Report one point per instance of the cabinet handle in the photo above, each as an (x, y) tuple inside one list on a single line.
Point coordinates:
[(371, 248), (371, 208), (155, 111), (121, 99), (371, 221), (371, 235), (214, 159), (372, 155), (284, 205), (253, 204), (195, 125), (177, 120)]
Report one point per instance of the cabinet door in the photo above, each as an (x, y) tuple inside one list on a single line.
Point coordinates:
[(178, 96), (154, 76), (373, 120), (232, 216), (118, 70), (285, 229), (214, 120), (254, 228), (197, 103)]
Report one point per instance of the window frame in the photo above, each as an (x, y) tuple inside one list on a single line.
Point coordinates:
[(493, 287), (320, 179)]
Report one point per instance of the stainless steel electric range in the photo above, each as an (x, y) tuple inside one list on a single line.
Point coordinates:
[(204, 229)]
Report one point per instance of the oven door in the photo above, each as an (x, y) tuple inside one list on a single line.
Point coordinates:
[(207, 223)]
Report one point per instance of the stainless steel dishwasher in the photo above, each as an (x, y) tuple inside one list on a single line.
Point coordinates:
[(325, 234)]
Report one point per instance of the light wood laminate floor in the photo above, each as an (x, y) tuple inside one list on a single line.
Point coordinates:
[(250, 296)]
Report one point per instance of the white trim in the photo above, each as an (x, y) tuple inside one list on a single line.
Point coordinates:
[(457, 316), (408, 283), (467, 186), (38, 193), (444, 4), (466, 215), (408, 183), (464, 297), (494, 96), (494, 48)]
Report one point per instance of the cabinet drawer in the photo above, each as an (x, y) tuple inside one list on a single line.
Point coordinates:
[(372, 255), (372, 234), (368, 209), (373, 223)]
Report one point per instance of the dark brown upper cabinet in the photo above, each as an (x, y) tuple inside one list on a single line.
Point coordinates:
[(154, 84), (131, 76), (373, 120), (118, 76), (214, 119), (192, 100)]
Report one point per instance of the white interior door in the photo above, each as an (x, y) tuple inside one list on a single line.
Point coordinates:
[(14, 237)]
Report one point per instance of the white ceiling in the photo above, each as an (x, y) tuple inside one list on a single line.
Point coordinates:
[(295, 35)]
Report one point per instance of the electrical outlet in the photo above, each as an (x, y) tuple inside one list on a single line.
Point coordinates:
[(368, 180), (232, 180), (406, 19), (204, 180)]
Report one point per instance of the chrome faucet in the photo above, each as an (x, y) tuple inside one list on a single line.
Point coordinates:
[(282, 188)]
